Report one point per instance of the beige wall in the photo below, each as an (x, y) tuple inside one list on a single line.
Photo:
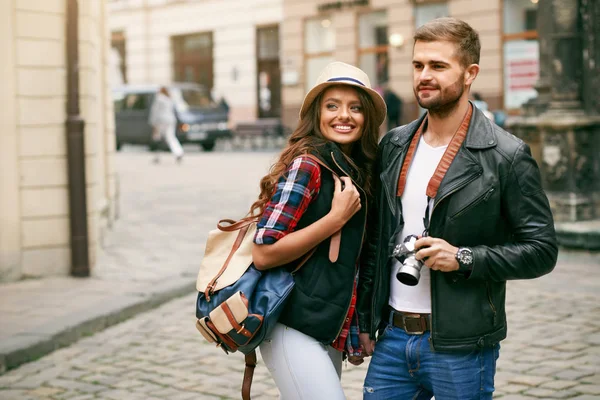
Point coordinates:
[(148, 31), (10, 210), (483, 15), (34, 228)]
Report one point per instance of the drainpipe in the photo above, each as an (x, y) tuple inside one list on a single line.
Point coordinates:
[(80, 264)]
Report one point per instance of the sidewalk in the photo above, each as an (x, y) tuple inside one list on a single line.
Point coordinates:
[(39, 316), (149, 257), (152, 254), (552, 351)]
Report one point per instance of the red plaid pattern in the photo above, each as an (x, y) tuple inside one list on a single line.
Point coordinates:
[(294, 192), (340, 342)]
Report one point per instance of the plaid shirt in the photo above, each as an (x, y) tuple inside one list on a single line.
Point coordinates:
[(348, 339), (294, 192), (298, 186)]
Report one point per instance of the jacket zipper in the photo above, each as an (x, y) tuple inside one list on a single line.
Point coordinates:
[(463, 184), (485, 197), (489, 295), (361, 240), (431, 345)]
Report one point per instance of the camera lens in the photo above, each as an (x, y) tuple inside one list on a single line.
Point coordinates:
[(409, 270), (407, 278)]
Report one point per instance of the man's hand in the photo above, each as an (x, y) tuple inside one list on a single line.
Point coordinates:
[(367, 343), (437, 254), (356, 360)]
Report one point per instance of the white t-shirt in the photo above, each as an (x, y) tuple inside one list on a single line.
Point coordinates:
[(417, 298)]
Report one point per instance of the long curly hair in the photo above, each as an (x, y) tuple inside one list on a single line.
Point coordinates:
[(307, 138)]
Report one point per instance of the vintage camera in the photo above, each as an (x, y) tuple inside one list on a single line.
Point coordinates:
[(409, 271)]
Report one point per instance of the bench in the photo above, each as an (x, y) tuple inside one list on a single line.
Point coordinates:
[(259, 133)]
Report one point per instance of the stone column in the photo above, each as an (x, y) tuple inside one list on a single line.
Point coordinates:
[(566, 133), (567, 57), (590, 21), (539, 104), (570, 136)]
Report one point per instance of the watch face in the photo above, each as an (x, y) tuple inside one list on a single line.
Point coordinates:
[(465, 256)]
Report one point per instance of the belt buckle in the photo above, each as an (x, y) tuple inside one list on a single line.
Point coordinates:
[(420, 324)]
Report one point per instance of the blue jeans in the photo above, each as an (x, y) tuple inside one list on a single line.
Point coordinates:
[(404, 367)]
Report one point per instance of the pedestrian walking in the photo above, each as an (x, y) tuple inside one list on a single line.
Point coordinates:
[(164, 122), (305, 206), (471, 193)]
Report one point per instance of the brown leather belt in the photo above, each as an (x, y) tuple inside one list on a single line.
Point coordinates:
[(412, 323)]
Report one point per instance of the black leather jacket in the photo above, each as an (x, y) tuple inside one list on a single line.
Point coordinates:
[(490, 200)]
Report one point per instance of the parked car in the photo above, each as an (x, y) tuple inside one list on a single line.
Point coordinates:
[(199, 119)]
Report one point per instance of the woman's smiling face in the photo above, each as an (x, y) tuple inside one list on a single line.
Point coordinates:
[(342, 118)]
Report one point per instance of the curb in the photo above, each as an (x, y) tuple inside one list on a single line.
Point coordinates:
[(584, 235), (24, 348), (574, 240)]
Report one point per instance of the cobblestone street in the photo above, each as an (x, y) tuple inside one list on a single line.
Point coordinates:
[(552, 350)]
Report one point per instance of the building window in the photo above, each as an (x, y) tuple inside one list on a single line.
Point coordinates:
[(268, 72), (193, 59), (424, 13), (319, 43), (118, 59), (373, 47), (519, 18), (521, 52)]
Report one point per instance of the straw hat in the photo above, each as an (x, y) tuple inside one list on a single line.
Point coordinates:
[(339, 73)]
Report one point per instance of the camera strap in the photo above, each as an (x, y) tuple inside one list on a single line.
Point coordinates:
[(436, 179)]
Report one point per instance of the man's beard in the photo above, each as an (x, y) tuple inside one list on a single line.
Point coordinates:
[(446, 102)]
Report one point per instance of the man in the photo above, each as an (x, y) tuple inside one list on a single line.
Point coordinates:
[(472, 192), (163, 120), (394, 107)]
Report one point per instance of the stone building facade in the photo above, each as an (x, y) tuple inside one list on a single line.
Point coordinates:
[(34, 190), (376, 35), (262, 55), (231, 47)]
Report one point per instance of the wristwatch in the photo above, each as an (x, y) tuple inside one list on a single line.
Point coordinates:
[(464, 256)]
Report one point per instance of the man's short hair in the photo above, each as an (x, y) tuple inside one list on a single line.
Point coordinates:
[(455, 31)]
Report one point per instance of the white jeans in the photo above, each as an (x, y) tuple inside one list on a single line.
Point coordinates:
[(302, 368), (167, 131)]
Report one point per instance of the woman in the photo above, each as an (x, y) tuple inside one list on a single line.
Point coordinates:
[(164, 123), (305, 206)]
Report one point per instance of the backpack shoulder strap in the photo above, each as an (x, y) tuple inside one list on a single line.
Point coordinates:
[(235, 225), (241, 226), (250, 360)]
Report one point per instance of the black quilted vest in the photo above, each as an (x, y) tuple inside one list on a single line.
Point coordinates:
[(319, 302)]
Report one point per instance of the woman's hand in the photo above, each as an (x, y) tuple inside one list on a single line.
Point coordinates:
[(346, 201), (368, 345), (295, 244)]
